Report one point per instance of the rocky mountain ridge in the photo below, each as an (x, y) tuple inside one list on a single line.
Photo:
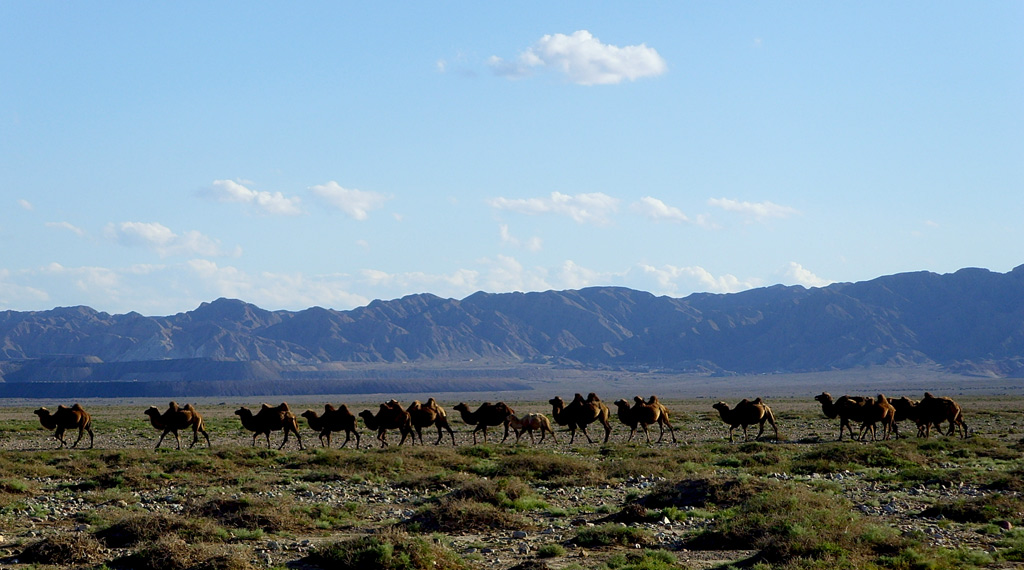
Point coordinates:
[(970, 321)]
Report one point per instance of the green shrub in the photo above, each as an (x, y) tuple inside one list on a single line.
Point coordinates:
[(551, 551), (387, 551), (613, 534)]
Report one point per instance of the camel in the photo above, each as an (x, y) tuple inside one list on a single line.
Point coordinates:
[(906, 409), (531, 423), (66, 418), (270, 419), (487, 414), (875, 410), (653, 406), (175, 419), (389, 416), (747, 413), (429, 414), (935, 410), (629, 418), (846, 408), (579, 414), (332, 420)]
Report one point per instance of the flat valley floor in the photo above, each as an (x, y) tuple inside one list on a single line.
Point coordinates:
[(802, 501)]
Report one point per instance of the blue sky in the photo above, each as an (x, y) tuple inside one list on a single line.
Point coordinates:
[(154, 156)]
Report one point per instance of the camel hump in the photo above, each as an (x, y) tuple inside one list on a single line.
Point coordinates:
[(77, 407), (189, 407), (266, 406), (284, 407), (592, 397), (928, 396)]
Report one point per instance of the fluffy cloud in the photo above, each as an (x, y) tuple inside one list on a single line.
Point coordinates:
[(670, 280), (14, 295), (160, 238), (532, 244), (26, 205), (759, 210), (269, 202), (658, 211), (355, 203), (584, 60), (796, 273), (592, 208)]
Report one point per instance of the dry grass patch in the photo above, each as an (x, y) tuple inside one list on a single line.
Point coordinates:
[(173, 553), (142, 528), (65, 549)]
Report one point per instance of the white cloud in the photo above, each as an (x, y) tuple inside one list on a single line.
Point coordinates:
[(759, 210), (532, 244), (671, 279), (275, 290), (269, 202), (14, 295), (67, 226), (656, 210), (583, 59), (460, 280), (796, 273), (25, 204), (160, 238), (584, 208), (355, 203)]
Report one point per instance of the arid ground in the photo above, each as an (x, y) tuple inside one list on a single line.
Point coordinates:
[(805, 501)]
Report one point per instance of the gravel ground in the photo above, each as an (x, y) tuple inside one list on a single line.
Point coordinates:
[(800, 422)]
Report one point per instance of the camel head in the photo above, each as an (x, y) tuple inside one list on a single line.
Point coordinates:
[(557, 402), (244, 412), (721, 407), (461, 407), (152, 412), (309, 414), (824, 398), (42, 412), (622, 403)]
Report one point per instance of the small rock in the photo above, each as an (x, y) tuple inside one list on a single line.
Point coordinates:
[(519, 534), (1005, 525), (274, 545)]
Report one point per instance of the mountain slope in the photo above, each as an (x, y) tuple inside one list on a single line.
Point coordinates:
[(970, 321)]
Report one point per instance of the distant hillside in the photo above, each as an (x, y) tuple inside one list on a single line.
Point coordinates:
[(970, 322)]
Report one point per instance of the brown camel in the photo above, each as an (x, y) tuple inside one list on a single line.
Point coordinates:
[(877, 410), (332, 420), (486, 415), (531, 423), (426, 415), (846, 408), (175, 419), (389, 416), (66, 418), (268, 419), (747, 413), (661, 413), (935, 410), (579, 414)]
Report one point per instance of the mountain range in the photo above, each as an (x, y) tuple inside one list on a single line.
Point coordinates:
[(968, 322)]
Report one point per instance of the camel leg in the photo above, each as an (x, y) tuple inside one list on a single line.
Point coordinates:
[(161, 440), (647, 433), (450, 433), (81, 431), (177, 438), (506, 433)]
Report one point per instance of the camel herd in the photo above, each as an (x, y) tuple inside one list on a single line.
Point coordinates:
[(868, 413)]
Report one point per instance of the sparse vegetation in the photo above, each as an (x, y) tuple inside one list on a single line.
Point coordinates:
[(941, 502)]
